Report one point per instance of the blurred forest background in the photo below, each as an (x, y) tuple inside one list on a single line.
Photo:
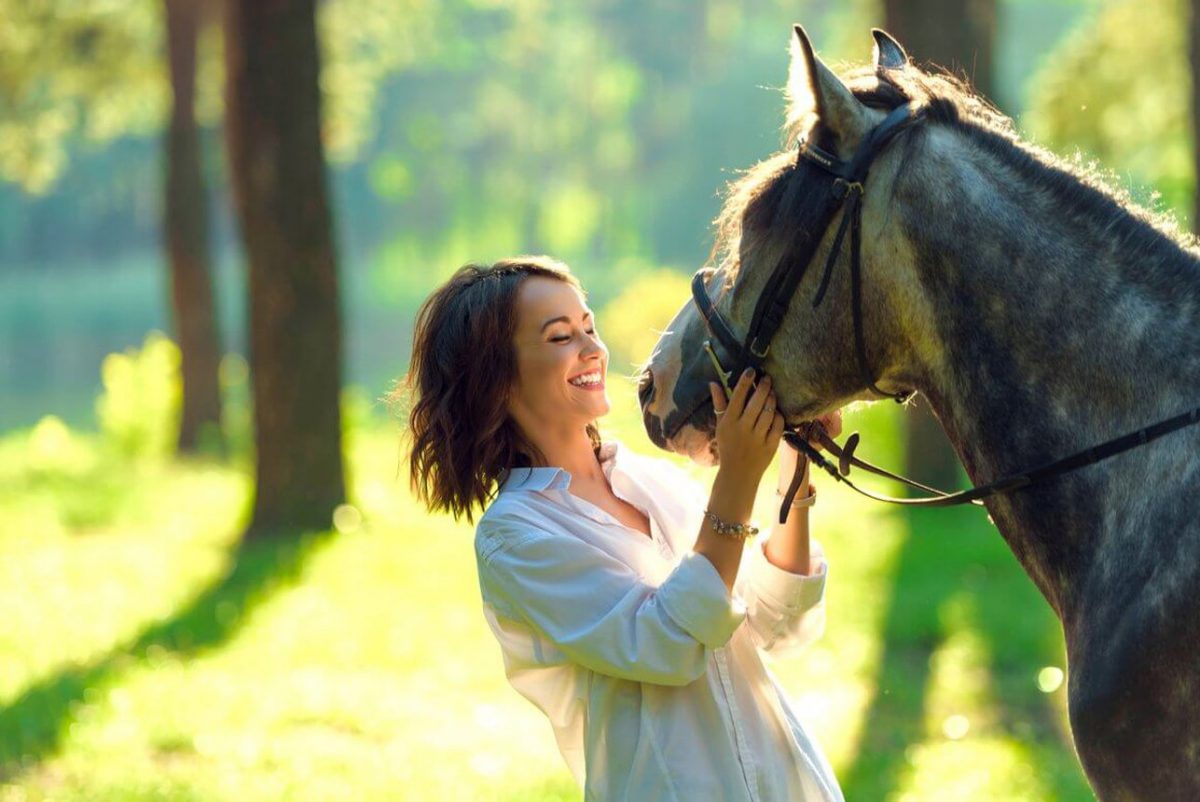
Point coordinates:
[(181, 188), (600, 132)]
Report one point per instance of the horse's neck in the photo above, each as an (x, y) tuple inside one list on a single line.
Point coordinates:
[(1058, 334)]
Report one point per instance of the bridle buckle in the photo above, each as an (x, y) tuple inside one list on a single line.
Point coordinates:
[(843, 188)]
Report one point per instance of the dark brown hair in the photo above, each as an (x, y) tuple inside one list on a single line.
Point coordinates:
[(463, 366)]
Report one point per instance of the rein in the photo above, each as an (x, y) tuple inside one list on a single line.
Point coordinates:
[(845, 192)]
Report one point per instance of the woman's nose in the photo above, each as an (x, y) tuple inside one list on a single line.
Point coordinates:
[(593, 347)]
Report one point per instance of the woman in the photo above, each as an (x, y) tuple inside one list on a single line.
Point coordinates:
[(614, 585)]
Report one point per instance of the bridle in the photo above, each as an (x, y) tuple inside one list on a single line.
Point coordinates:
[(844, 192), (730, 355)]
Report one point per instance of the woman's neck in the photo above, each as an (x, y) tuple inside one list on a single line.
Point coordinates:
[(571, 451)]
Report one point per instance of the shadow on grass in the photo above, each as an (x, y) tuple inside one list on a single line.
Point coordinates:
[(33, 725), (947, 552), (1022, 635)]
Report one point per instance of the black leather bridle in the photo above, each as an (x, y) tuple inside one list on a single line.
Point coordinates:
[(730, 355), (844, 192)]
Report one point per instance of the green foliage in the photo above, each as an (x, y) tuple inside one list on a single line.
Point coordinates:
[(54, 481), (96, 71), (138, 411), (74, 69), (592, 133), (568, 218), (631, 322), (1119, 91), (362, 42)]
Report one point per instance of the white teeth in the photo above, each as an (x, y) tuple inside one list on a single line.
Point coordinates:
[(586, 379)]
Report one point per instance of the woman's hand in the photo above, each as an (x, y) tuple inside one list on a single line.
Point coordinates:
[(790, 457), (748, 432), (748, 427), (832, 424)]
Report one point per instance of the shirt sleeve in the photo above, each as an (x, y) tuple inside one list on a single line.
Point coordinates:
[(785, 611), (599, 612)]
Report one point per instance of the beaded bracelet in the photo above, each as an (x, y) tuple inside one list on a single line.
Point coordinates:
[(722, 527)]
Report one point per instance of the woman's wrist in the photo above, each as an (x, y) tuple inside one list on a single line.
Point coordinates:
[(732, 496)]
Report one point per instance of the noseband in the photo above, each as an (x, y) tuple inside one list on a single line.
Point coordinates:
[(730, 355)]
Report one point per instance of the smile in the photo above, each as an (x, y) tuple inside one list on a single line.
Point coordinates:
[(588, 381)]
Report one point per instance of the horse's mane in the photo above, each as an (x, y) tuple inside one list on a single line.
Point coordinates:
[(772, 190)]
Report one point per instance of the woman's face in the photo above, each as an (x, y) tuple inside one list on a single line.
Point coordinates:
[(561, 363)]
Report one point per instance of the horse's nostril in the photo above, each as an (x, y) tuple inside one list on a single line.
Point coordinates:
[(646, 387)]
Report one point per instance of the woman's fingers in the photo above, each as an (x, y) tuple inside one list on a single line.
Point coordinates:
[(718, 398), (776, 431), (758, 401), (737, 401), (831, 423), (766, 418)]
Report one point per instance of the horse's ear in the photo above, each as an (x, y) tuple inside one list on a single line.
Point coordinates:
[(816, 95), (889, 55)]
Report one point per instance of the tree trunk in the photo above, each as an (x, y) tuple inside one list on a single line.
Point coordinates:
[(1194, 61), (185, 226), (957, 35), (277, 166)]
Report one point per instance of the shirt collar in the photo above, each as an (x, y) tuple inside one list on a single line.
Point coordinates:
[(539, 479)]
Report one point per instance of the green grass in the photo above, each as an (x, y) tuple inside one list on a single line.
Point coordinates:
[(146, 654)]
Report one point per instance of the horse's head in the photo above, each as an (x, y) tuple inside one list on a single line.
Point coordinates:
[(780, 209)]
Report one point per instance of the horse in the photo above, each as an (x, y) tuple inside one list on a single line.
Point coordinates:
[(1039, 311)]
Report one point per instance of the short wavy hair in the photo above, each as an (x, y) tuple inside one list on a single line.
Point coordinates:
[(463, 366)]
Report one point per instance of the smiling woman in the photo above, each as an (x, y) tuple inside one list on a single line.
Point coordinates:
[(561, 362), (617, 593), (463, 437)]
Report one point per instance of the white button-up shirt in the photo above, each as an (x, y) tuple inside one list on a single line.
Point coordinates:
[(650, 672)]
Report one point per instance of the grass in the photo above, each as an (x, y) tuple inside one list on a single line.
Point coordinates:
[(148, 655)]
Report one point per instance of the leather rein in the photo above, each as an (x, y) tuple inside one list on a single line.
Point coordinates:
[(845, 192)]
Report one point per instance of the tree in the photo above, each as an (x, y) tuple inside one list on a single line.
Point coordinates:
[(185, 233), (956, 35), (93, 73), (1118, 91), (277, 170)]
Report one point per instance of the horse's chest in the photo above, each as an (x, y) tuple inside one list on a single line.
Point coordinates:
[(1134, 696)]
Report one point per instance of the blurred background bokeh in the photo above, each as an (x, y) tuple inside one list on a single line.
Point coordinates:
[(201, 601)]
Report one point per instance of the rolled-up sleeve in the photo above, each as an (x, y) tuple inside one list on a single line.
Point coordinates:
[(599, 612), (785, 611)]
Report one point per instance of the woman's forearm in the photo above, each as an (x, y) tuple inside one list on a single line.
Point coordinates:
[(788, 546), (731, 500)]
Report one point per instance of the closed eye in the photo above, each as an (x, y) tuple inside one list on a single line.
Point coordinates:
[(562, 338)]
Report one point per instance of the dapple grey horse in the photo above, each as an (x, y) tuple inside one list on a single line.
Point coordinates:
[(1040, 312)]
